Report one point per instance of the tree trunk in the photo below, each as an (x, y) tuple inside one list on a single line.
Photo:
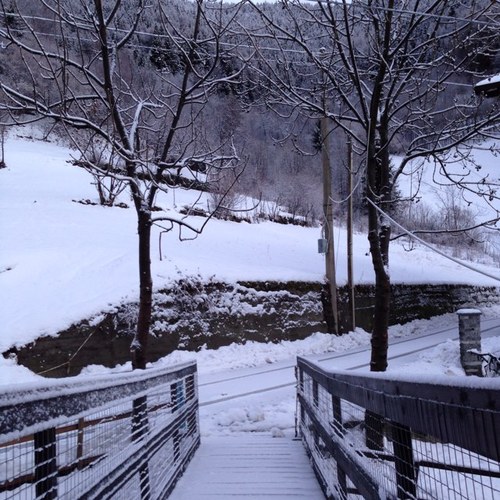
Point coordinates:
[(378, 192), (140, 343), (378, 363), (378, 238), (379, 341)]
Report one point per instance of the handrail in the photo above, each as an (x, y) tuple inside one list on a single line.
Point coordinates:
[(25, 406), (94, 436), (463, 413), (416, 403)]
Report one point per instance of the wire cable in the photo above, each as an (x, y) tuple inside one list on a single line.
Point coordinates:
[(431, 247)]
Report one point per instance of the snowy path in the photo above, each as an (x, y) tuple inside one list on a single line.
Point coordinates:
[(249, 466), (218, 388)]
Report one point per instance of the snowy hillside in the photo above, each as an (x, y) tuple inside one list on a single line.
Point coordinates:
[(433, 189), (61, 261), (428, 179)]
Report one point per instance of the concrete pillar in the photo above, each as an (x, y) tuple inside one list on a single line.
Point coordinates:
[(469, 329)]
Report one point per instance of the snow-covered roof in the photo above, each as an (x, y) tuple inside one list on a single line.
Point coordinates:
[(490, 86)]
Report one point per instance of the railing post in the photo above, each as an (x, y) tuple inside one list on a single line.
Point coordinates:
[(79, 442), (139, 417), (374, 431), (338, 428), (469, 329), (315, 392), (139, 429), (190, 387), (299, 412), (177, 397), (301, 388), (337, 416), (315, 397), (45, 464), (405, 465), (190, 394)]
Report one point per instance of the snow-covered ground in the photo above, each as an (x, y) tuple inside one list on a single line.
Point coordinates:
[(61, 261), (426, 179), (434, 189), (229, 370)]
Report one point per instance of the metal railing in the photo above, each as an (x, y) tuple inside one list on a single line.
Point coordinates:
[(120, 436), (490, 364), (379, 437)]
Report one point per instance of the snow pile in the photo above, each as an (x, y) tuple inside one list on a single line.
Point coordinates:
[(444, 359), (12, 373), (256, 353), (278, 419), (251, 354), (276, 415)]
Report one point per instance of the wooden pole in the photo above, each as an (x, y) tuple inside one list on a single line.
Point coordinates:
[(2, 146), (350, 260), (328, 222)]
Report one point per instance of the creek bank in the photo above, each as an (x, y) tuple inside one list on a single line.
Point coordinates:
[(191, 314)]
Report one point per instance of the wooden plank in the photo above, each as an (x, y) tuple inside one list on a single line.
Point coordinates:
[(248, 466)]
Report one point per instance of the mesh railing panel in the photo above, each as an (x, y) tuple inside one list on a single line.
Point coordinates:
[(359, 454), (132, 447)]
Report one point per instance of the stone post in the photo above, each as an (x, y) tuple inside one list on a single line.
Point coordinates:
[(469, 329)]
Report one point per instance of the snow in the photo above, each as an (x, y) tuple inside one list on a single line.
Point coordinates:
[(247, 369), (426, 180), (61, 261), (468, 312), (274, 411), (11, 373), (252, 354), (490, 79)]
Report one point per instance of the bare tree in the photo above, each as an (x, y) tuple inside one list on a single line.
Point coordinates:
[(81, 70), (2, 146), (3, 138), (381, 71)]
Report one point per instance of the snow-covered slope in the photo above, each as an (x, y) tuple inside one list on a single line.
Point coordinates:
[(61, 261)]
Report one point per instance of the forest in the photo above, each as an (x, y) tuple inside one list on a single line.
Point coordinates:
[(281, 147)]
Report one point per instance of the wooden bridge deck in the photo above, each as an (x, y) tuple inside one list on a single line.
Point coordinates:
[(248, 466)]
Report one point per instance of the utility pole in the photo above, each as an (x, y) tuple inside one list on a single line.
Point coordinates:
[(350, 260), (328, 225)]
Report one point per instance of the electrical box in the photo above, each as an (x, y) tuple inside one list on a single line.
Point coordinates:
[(322, 245)]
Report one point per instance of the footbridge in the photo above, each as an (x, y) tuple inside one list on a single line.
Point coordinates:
[(136, 435)]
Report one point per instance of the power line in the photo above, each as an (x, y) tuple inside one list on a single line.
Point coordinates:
[(406, 11), (434, 16), (360, 4), (230, 45)]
